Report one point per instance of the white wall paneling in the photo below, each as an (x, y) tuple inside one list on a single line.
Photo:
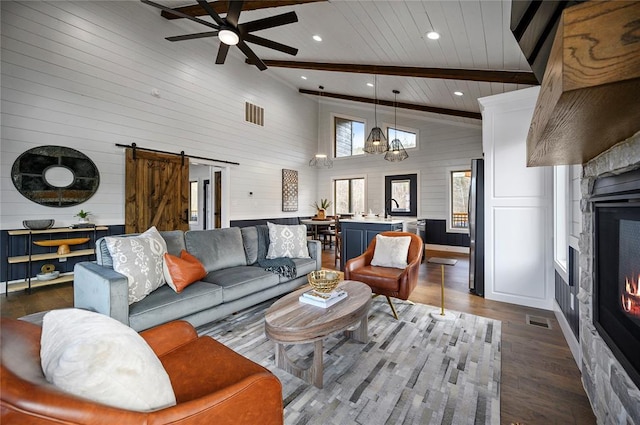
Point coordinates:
[(81, 74), (518, 206)]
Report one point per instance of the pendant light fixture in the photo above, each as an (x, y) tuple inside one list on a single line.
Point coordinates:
[(320, 160), (396, 152), (376, 142)]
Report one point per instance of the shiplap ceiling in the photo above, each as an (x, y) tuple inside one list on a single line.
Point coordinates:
[(474, 35)]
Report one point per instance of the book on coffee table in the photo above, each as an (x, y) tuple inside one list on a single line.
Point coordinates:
[(321, 299)]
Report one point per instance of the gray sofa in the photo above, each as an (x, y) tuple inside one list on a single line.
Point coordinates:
[(232, 283)]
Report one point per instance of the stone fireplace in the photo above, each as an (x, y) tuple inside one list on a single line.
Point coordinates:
[(609, 343)]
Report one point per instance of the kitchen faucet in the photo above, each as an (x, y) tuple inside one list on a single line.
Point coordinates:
[(387, 206)]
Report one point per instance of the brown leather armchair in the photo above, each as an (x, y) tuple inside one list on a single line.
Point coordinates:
[(212, 383), (388, 281)]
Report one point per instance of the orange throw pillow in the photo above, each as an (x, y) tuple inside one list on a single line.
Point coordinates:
[(180, 272)]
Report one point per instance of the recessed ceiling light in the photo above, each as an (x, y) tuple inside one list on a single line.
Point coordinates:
[(303, 77), (458, 93), (370, 84), (317, 37), (432, 35)]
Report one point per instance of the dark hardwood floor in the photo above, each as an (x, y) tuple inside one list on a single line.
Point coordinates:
[(540, 380)]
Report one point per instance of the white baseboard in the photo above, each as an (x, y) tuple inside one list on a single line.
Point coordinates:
[(448, 248), (574, 344)]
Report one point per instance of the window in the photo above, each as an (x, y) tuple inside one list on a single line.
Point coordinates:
[(401, 195), (349, 195), (408, 138), (349, 137), (193, 201), (561, 242), (459, 185)]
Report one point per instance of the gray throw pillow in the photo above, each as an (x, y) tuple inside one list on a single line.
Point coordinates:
[(287, 241)]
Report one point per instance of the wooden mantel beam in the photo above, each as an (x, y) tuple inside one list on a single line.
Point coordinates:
[(222, 6), (402, 105), (511, 77)]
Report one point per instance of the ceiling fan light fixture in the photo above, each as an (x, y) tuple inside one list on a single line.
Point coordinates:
[(228, 37)]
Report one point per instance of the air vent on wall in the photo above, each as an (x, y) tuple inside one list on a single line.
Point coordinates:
[(253, 114)]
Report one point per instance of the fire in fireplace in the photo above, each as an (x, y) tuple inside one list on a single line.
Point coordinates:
[(616, 292)]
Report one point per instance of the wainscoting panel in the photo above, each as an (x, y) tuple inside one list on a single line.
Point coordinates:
[(436, 233), (564, 291)]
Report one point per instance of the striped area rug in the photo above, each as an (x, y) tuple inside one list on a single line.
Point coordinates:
[(412, 371)]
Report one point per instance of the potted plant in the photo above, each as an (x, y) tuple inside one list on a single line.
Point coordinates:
[(322, 208), (83, 216)]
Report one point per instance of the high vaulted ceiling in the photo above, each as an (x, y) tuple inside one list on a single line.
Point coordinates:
[(389, 37)]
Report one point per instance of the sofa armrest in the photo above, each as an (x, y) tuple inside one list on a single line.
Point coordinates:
[(315, 251), (101, 289), (169, 336)]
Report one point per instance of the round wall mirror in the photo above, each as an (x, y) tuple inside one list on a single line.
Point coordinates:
[(55, 176)]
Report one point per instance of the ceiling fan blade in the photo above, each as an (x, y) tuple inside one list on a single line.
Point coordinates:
[(222, 53), (192, 36), (235, 7), (205, 5), (270, 44), (180, 14), (255, 60), (270, 22)]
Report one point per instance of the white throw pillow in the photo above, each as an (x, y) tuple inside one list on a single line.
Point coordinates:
[(391, 251), (287, 241), (140, 259), (96, 357)]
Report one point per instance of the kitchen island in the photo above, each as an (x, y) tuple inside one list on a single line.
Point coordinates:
[(358, 233)]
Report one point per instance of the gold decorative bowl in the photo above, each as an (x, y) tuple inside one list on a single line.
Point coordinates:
[(323, 280)]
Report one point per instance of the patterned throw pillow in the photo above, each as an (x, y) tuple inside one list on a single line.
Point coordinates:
[(391, 251), (287, 241), (139, 258)]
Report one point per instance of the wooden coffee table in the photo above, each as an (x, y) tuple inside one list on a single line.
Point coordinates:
[(288, 322)]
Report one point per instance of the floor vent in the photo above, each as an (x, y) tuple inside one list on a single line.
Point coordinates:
[(253, 114), (538, 321)]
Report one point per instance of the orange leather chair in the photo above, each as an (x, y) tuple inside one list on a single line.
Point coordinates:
[(388, 281), (212, 383)]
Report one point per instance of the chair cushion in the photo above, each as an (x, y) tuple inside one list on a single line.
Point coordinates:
[(287, 241), (378, 277), (180, 272), (96, 357), (139, 258), (391, 251), (250, 242)]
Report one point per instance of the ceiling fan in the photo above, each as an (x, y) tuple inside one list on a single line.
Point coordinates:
[(231, 33)]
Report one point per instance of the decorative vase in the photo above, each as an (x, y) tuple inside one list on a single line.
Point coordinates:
[(83, 220), (322, 214)]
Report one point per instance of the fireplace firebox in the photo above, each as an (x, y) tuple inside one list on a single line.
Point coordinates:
[(616, 296)]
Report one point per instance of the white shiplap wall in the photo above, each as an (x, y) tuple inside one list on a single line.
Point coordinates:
[(442, 145), (81, 74)]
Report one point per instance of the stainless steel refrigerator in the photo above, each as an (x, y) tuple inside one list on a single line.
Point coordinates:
[(476, 228)]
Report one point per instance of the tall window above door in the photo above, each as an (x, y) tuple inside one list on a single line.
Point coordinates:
[(459, 186), (408, 137), (401, 195), (348, 136), (349, 195)]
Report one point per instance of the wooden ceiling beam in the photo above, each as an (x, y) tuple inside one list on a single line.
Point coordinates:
[(511, 77), (222, 6), (401, 105)]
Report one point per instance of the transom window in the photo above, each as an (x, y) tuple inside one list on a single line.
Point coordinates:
[(401, 195), (408, 138), (349, 137), (349, 195)]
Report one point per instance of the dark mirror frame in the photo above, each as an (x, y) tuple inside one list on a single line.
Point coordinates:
[(28, 176)]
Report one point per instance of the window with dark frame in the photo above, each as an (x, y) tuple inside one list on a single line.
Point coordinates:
[(403, 190), (460, 183)]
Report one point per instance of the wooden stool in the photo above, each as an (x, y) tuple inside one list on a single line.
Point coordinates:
[(442, 315)]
